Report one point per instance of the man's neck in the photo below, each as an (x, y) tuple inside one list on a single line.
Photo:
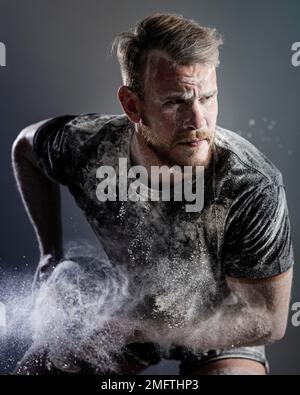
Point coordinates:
[(142, 154)]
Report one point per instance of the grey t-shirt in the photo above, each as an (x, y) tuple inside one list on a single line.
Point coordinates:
[(176, 258)]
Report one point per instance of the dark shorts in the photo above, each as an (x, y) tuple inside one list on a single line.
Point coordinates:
[(137, 357), (189, 360)]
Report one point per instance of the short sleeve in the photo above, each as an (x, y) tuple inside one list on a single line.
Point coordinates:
[(257, 242), (47, 145)]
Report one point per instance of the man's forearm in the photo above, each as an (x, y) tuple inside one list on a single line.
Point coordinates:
[(254, 313), (239, 324), (231, 326), (41, 198)]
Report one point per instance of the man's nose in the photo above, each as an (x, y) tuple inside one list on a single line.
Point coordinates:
[(195, 116)]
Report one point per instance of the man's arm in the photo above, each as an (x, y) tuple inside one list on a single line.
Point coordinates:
[(265, 304), (257, 316), (40, 196)]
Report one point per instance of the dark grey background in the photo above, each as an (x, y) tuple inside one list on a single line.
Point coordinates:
[(58, 62)]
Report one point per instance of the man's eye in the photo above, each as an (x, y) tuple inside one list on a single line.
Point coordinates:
[(206, 98), (174, 102)]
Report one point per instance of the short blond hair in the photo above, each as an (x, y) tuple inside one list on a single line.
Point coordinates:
[(183, 40)]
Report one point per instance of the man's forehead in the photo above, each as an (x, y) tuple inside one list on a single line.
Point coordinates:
[(164, 71)]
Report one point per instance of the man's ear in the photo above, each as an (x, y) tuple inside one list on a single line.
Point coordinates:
[(130, 103)]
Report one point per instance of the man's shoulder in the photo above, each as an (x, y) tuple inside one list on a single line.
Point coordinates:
[(93, 129), (244, 160), (93, 122)]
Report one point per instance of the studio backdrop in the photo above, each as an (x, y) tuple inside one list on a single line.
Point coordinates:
[(55, 59)]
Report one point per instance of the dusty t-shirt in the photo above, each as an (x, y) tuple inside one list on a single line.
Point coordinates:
[(177, 260)]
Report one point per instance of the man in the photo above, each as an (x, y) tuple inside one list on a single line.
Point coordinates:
[(221, 276)]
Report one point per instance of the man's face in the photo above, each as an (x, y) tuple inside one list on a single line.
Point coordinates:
[(179, 111)]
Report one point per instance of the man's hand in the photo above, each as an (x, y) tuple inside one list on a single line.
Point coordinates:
[(45, 267)]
